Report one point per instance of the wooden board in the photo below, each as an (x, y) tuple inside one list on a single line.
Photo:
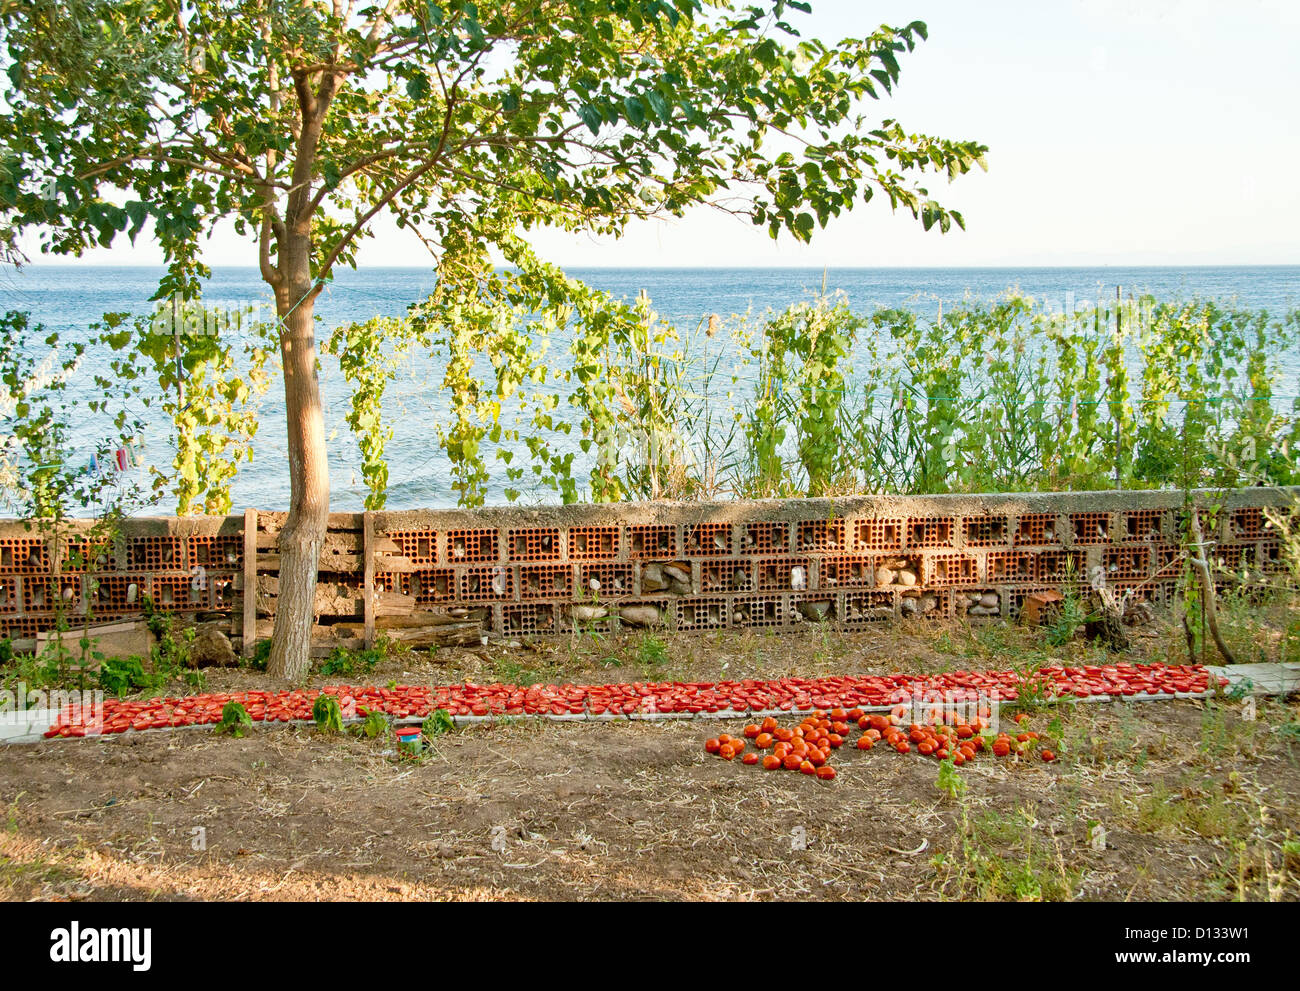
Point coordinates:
[(367, 538), (1264, 679), (249, 583), (130, 639)]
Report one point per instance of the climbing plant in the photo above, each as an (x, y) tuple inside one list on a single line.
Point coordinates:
[(64, 470), (370, 354), (205, 370)]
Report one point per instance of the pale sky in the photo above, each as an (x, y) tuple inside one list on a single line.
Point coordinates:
[(1160, 132)]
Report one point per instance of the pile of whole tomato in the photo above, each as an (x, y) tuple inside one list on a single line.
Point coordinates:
[(809, 746), (805, 748)]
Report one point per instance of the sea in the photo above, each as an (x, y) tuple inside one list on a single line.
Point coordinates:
[(68, 299)]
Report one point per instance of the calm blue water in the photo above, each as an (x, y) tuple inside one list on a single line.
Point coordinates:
[(68, 298)]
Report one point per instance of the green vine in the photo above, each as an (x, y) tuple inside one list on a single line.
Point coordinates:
[(206, 381), (369, 356)]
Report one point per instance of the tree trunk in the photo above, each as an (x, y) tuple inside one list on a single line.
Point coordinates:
[(304, 531), (1201, 564)]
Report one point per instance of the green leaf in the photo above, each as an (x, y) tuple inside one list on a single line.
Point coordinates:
[(591, 117), (658, 104), (417, 87), (635, 112)]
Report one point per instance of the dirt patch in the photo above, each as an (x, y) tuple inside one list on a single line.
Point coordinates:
[(637, 810)]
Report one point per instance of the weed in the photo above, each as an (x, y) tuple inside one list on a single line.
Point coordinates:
[(1071, 615), (235, 720), (1000, 858), (651, 651), (388, 647), (511, 672), (437, 722), (125, 676), (327, 714), (1203, 809), (949, 781), (344, 663), (374, 725), (1220, 735), (12, 824), (1240, 690), (1035, 692)]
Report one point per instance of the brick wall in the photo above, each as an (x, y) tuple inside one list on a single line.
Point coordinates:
[(776, 564)]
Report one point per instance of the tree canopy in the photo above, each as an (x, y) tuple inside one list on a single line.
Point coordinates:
[(303, 121), (581, 114)]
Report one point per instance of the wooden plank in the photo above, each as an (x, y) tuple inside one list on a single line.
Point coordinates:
[(334, 563), (1261, 679), (456, 634), (320, 651), (382, 622), (387, 604), (250, 581), (424, 617), (116, 639), (367, 538), (396, 562)]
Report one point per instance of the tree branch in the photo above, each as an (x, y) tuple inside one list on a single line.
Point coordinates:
[(243, 176), (350, 235), (313, 107)]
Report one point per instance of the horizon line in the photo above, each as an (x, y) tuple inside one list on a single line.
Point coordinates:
[(720, 268)]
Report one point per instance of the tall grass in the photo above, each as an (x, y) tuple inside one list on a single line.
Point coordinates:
[(988, 395), (993, 396)]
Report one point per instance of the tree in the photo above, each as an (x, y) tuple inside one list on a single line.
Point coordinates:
[(304, 121)]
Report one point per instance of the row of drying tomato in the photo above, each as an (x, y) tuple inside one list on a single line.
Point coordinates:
[(748, 695)]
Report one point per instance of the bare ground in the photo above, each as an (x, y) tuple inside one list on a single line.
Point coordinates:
[(1196, 802)]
